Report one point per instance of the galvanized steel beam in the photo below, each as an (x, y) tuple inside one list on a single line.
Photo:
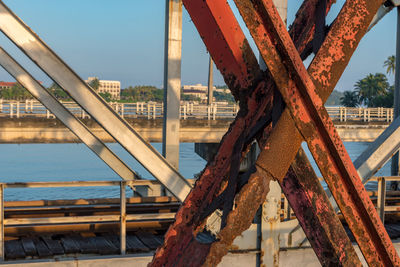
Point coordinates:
[(65, 116), (92, 103), (379, 152), (172, 81), (396, 105), (312, 120)]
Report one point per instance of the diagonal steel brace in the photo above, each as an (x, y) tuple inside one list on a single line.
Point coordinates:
[(204, 21), (313, 122)]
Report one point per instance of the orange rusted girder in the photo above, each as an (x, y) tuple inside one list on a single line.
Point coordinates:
[(179, 240), (313, 122)]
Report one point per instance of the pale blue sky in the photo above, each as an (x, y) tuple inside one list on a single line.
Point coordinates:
[(124, 40)]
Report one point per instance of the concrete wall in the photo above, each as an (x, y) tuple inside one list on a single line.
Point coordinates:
[(30, 130)]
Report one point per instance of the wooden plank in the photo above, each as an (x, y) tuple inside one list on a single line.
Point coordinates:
[(53, 245), (133, 244), (14, 249), (67, 202), (104, 246), (148, 239), (70, 246), (84, 244), (87, 219), (112, 238), (29, 246), (42, 249)]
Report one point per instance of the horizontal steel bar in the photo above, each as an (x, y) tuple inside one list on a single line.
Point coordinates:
[(25, 39), (82, 183), (87, 219)]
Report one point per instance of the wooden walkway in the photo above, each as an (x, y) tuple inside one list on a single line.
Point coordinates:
[(75, 244)]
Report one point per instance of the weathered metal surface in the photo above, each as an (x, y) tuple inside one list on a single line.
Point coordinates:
[(313, 121), (202, 13), (307, 198), (233, 56), (336, 38)]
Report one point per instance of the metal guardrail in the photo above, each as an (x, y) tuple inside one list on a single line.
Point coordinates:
[(381, 198), (153, 110), (122, 218)]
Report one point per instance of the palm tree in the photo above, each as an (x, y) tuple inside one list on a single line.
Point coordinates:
[(349, 99), (390, 64), (370, 87)]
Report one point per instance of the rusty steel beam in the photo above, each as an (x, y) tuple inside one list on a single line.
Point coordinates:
[(345, 34), (307, 199), (236, 61), (211, 39), (312, 120)]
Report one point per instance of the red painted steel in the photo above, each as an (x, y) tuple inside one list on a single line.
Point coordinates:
[(313, 122), (309, 201), (243, 75), (300, 29)]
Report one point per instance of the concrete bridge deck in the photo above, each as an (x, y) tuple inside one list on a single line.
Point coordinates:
[(42, 130)]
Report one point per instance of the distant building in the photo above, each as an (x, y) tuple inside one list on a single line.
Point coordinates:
[(111, 87), (7, 85), (197, 90)]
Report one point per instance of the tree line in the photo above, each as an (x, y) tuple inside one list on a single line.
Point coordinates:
[(373, 90), (140, 93)]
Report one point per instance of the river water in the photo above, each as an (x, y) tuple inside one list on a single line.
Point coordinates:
[(74, 162)]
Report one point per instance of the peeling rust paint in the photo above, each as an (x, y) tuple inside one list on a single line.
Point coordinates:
[(313, 122), (236, 62)]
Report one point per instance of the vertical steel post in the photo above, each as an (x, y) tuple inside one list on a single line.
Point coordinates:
[(381, 198), (172, 80), (270, 218), (123, 217), (2, 222), (18, 107), (210, 82), (395, 158)]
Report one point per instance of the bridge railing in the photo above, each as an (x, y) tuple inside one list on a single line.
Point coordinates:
[(189, 110), (122, 218)]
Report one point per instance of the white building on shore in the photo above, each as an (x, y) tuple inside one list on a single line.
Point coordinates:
[(111, 87)]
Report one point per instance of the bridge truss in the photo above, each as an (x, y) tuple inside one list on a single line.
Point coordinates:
[(279, 108)]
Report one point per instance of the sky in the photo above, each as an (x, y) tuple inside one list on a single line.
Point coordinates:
[(124, 40)]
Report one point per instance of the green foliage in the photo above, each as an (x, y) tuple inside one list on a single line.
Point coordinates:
[(349, 99), (334, 99), (106, 96), (390, 64), (185, 97), (17, 92), (385, 100), (142, 93), (58, 92), (95, 84), (224, 97), (371, 87)]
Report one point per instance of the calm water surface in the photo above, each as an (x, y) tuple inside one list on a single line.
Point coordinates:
[(72, 162)]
